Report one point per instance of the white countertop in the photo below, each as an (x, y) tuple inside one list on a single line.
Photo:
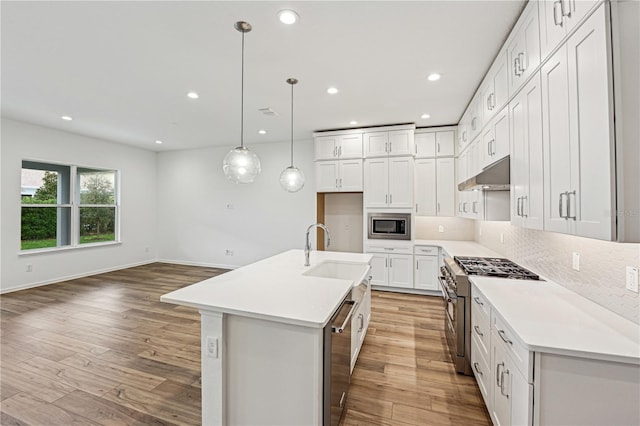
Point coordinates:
[(550, 318), (459, 248), (273, 289)]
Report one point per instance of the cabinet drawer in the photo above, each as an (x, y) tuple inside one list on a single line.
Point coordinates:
[(521, 357), (481, 370), (376, 248), (481, 328), (480, 302), (426, 250)]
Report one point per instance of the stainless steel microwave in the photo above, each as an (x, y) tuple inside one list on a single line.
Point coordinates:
[(389, 226)]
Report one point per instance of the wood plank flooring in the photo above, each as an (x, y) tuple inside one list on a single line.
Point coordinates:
[(103, 350)]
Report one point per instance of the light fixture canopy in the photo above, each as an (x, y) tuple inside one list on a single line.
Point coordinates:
[(241, 165), (292, 178)]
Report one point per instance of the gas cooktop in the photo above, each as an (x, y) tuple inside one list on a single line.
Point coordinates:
[(494, 267)]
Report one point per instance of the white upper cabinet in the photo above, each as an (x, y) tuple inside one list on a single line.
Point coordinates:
[(464, 137), (339, 176), (389, 182), (333, 147), (523, 50), (495, 90), (388, 143), (525, 115), (496, 139), (578, 134), (446, 187), (429, 144), (558, 18), (476, 118), (435, 187)]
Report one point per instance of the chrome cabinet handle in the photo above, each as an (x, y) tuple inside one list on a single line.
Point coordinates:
[(557, 18), (340, 182), (502, 374), (415, 149), (390, 198), (569, 194), (473, 209), (417, 265), (390, 146), (476, 368), (504, 338), (386, 263), (518, 206), (522, 213), (493, 100), (438, 147), (516, 66), (464, 207), (478, 301), (389, 248), (498, 376), (562, 195), (464, 136), (416, 207), (361, 318), (337, 183), (386, 198), (489, 148), (524, 61), (478, 332), (438, 207), (566, 10), (340, 151), (390, 263), (489, 102), (473, 123)]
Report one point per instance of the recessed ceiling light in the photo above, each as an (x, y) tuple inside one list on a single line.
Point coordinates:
[(193, 95), (433, 77), (332, 90), (262, 132), (288, 16), (353, 122), (66, 118), (159, 142), (425, 116)]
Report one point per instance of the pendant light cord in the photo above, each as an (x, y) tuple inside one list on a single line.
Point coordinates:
[(242, 96), (292, 125)]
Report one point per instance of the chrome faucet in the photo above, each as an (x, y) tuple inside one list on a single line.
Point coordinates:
[(307, 245)]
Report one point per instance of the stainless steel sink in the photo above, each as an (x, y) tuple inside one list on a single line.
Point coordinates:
[(356, 272)]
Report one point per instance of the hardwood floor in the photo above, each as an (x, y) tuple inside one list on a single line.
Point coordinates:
[(103, 350)]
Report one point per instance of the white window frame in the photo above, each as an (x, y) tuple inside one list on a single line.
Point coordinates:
[(74, 205)]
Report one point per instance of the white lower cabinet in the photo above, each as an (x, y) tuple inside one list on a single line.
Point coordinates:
[(427, 261), (391, 266)]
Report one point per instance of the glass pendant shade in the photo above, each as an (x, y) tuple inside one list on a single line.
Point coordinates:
[(241, 165), (292, 179)]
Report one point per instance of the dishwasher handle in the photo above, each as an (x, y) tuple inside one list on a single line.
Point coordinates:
[(345, 323)]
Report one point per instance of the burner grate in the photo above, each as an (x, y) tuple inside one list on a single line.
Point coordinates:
[(494, 267)]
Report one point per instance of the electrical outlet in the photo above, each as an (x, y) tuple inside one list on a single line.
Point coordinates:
[(228, 252), (576, 261), (29, 268), (212, 347), (632, 278), (229, 206), (440, 228)]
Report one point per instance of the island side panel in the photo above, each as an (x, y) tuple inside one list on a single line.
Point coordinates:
[(273, 373), (212, 368), (581, 391)]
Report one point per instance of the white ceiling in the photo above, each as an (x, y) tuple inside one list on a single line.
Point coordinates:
[(122, 69)]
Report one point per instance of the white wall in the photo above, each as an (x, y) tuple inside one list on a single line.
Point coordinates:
[(602, 263), (138, 197), (196, 227)]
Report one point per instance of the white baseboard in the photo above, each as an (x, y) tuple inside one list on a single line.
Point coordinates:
[(204, 264), (76, 276)]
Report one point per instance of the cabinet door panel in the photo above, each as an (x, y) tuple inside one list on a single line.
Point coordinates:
[(325, 147), (376, 182), (555, 136), (425, 187), (327, 176), (351, 175), (590, 111), (446, 188), (552, 25), (426, 273), (579, 8), (379, 264), (445, 144), (500, 82), (401, 271), (425, 144), (401, 142), (375, 144), (401, 182), (351, 146), (500, 147), (519, 158), (532, 205)]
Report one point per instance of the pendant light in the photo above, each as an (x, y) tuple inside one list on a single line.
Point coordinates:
[(241, 165), (292, 178)]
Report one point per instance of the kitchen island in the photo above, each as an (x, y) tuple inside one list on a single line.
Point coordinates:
[(262, 337)]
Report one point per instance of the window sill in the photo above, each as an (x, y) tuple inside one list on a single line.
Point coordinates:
[(67, 248)]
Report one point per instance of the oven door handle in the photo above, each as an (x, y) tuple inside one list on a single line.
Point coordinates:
[(447, 295)]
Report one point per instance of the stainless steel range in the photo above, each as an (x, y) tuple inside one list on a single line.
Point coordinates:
[(456, 292)]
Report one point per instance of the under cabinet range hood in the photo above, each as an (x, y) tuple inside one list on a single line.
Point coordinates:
[(494, 177)]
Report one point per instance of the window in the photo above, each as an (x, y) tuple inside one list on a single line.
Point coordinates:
[(67, 206)]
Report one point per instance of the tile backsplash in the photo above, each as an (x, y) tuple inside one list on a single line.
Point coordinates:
[(453, 228), (602, 263)]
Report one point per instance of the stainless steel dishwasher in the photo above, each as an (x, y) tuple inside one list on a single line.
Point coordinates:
[(337, 362)]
